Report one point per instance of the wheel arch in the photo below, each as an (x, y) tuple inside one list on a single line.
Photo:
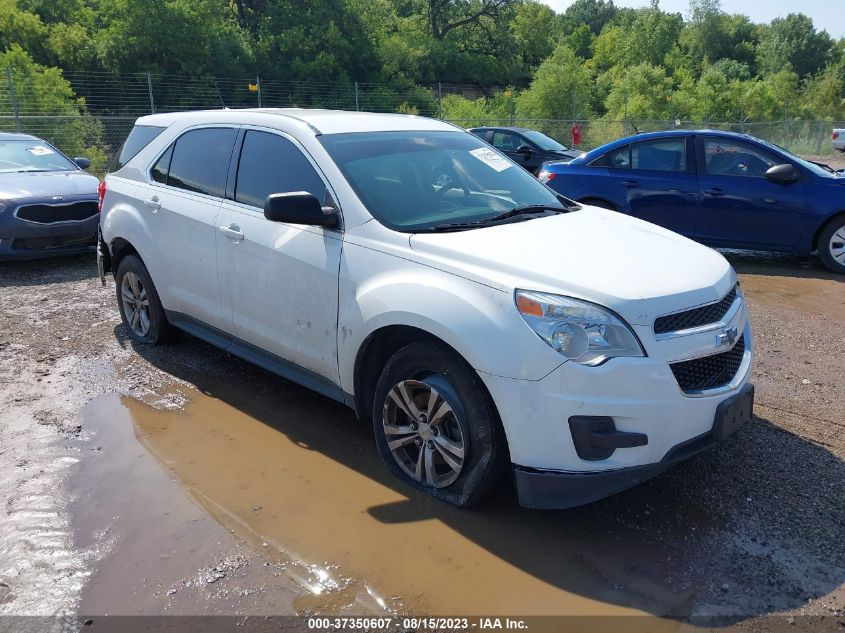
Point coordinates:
[(603, 202), (814, 245), (374, 352), (119, 248)]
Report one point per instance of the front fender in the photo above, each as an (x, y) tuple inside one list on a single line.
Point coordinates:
[(479, 322)]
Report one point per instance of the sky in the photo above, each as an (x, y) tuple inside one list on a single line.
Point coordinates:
[(828, 15)]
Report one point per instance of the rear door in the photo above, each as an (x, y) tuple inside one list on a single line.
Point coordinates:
[(740, 207), (656, 181), (181, 203), (279, 280)]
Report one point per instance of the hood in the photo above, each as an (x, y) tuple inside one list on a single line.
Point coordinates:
[(44, 184), (566, 153), (635, 268)]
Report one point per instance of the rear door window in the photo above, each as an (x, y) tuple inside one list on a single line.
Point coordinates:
[(138, 139), (200, 160), (271, 163), (666, 154)]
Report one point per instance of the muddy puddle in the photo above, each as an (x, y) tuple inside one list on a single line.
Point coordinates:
[(297, 479)]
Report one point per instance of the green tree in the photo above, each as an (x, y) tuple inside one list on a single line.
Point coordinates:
[(640, 92), (534, 30), (42, 90), (794, 40), (596, 14), (560, 89)]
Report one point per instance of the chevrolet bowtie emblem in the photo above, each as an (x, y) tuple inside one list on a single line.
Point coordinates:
[(727, 338)]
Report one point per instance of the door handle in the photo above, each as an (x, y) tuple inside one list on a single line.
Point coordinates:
[(232, 231), (153, 203), (631, 183), (714, 192)]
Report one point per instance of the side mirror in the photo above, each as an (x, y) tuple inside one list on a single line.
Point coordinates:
[(524, 149), (783, 174), (82, 162), (299, 207)]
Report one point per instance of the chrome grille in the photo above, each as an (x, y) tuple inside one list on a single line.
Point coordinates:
[(709, 372), (711, 313)]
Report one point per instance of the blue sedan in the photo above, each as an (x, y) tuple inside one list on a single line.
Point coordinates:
[(48, 204), (720, 188)]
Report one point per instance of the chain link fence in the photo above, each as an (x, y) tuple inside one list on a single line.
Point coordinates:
[(106, 106)]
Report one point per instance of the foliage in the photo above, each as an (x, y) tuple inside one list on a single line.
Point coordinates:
[(593, 59)]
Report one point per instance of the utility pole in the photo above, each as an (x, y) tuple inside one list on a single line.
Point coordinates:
[(258, 83), (357, 104), (439, 100)]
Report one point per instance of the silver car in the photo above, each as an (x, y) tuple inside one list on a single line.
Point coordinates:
[(48, 203)]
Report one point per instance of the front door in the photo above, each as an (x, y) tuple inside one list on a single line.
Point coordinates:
[(740, 207), (280, 280), (509, 143)]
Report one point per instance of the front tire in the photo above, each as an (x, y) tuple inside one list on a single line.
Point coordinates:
[(436, 427), (140, 308), (832, 245)]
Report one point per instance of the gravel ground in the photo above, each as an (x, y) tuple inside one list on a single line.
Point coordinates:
[(753, 531)]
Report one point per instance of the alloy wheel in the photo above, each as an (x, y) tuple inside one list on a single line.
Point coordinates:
[(837, 246), (422, 430), (136, 304)]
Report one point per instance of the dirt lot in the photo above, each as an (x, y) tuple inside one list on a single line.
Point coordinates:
[(178, 480)]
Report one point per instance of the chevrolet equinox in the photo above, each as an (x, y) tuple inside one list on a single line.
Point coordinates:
[(404, 267)]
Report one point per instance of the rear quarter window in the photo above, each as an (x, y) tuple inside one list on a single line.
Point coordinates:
[(200, 160), (138, 139)]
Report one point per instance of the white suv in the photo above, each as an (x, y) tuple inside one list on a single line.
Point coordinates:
[(404, 267)]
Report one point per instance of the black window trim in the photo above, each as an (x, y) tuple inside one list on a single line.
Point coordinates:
[(201, 126), (690, 155), (702, 158), (234, 163)]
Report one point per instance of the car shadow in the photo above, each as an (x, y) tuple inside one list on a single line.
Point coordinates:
[(48, 270), (779, 265), (751, 528)]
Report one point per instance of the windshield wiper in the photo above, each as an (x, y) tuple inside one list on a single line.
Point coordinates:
[(824, 166), (529, 209)]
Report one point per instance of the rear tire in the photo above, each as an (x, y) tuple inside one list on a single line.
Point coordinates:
[(140, 308), (832, 245), (436, 427)]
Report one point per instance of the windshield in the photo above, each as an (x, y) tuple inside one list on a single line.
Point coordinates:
[(416, 181), (544, 142), (28, 155), (813, 167)]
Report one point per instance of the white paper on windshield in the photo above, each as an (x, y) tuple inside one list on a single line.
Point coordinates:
[(39, 150), (491, 158)]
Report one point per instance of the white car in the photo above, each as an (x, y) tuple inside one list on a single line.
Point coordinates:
[(404, 267), (837, 139)]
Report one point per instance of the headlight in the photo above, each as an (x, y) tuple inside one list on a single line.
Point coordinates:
[(2, 207), (580, 331)]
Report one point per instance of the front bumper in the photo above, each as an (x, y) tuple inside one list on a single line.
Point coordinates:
[(647, 416), (21, 239), (544, 489)]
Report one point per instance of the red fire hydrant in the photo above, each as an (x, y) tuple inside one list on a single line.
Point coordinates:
[(575, 131)]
